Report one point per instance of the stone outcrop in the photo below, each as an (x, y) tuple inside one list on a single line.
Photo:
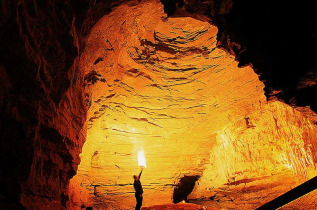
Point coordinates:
[(163, 85), (277, 38), (42, 103), (42, 109), (152, 90)]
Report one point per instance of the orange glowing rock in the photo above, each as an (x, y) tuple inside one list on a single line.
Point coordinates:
[(180, 206), (161, 85)]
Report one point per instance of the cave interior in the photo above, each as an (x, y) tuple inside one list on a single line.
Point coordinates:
[(216, 98)]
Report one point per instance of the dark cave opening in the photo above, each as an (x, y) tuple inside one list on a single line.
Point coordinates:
[(184, 187)]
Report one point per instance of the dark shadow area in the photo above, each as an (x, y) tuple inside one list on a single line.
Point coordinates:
[(278, 38), (184, 187)]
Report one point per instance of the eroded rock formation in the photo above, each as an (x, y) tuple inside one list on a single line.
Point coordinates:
[(162, 85), (157, 82), (42, 109)]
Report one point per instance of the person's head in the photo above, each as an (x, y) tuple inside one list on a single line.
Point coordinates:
[(136, 178)]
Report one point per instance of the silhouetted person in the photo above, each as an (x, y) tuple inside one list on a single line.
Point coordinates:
[(138, 190)]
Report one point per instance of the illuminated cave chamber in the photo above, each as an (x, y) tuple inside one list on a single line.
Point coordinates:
[(161, 85)]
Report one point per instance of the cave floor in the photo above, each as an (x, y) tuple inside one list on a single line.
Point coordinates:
[(253, 193), (179, 206)]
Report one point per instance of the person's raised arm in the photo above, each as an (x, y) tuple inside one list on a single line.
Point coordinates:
[(140, 173)]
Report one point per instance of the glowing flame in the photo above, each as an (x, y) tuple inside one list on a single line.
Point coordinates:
[(141, 158)]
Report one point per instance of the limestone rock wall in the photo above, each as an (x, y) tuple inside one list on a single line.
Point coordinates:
[(43, 111), (43, 103), (162, 85), (278, 39), (42, 106)]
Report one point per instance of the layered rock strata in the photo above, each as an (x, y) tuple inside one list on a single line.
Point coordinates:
[(162, 85)]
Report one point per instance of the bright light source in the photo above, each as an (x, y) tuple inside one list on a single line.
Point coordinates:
[(141, 158)]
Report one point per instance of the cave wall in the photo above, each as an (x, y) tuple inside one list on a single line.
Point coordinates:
[(164, 85), (278, 38), (40, 81), (43, 110), (259, 159)]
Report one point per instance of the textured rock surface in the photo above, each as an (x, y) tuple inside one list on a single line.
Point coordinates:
[(180, 206), (42, 107), (43, 113), (277, 38), (161, 85)]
